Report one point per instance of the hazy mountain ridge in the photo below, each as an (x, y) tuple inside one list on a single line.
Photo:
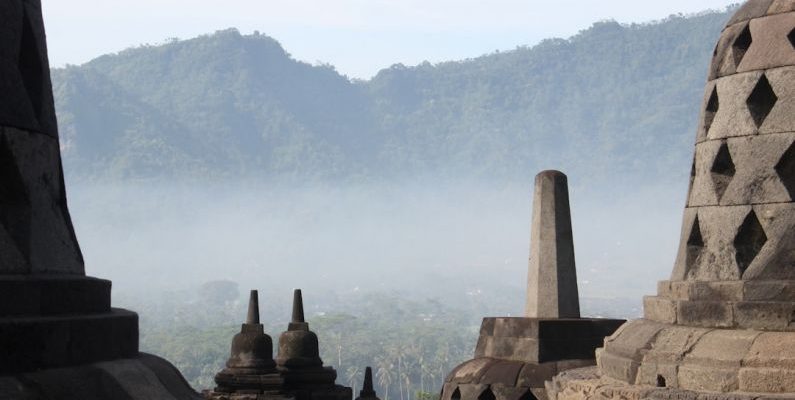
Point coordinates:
[(612, 100)]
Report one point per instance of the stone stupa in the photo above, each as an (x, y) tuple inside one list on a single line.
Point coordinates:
[(297, 373), (514, 357), (723, 326), (59, 337)]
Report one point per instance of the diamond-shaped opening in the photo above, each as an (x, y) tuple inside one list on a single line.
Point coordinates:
[(30, 66), (761, 100), (487, 395), (695, 245), (791, 38), (456, 394), (741, 45), (528, 395), (750, 239), (722, 170), (786, 170), (712, 108), (12, 187)]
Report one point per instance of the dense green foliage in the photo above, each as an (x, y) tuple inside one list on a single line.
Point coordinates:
[(614, 99), (411, 345)]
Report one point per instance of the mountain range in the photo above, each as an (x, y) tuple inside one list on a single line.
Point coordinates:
[(614, 102)]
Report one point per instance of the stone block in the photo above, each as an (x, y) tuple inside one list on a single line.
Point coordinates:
[(672, 343), (764, 315), (42, 295), (768, 290), (781, 6), (724, 61), (750, 10), (633, 338), (707, 111), (664, 288), (717, 260), (702, 378), (775, 259), (659, 309), (779, 119), (710, 314), (509, 348), (534, 375), (721, 349), (733, 118), (502, 373), (51, 342), (756, 180), (707, 291), (471, 371), (770, 48), (487, 326), (658, 375), (617, 367), (767, 380), (515, 327), (773, 350)]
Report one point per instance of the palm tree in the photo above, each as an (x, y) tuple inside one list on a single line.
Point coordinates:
[(384, 373), (352, 374)]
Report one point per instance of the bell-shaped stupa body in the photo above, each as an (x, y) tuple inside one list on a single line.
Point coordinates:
[(725, 321), (298, 346), (252, 349)]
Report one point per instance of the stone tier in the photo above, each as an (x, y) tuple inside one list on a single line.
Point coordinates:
[(144, 377), (587, 384), (650, 353), (542, 340), (33, 343), (49, 295), (764, 305), (504, 379)]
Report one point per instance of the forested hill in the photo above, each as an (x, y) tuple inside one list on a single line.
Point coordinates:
[(615, 101)]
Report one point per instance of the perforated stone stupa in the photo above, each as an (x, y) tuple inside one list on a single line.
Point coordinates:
[(723, 326), (514, 357)]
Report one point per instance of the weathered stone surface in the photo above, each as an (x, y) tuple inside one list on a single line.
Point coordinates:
[(31, 343), (780, 6), (732, 284), (659, 309), (711, 379), (771, 48), (734, 119), (721, 348), (781, 81), (22, 295), (552, 277), (750, 10), (534, 375), (24, 68), (764, 315), (780, 290), (707, 290), (633, 339), (502, 373), (709, 314)]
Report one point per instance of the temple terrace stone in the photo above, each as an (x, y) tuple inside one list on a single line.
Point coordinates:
[(722, 326), (515, 357)]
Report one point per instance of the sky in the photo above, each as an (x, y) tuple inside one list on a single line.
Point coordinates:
[(358, 37)]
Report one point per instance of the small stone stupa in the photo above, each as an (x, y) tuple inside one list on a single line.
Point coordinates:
[(514, 357), (723, 326), (297, 373), (367, 392), (59, 336)]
